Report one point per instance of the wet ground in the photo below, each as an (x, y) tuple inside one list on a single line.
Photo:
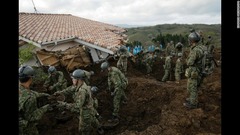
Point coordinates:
[(153, 107)]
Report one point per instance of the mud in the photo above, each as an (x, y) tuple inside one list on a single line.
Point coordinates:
[(153, 107)]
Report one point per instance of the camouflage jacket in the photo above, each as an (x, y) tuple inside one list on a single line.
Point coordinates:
[(116, 78), (170, 49), (28, 109), (56, 80), (179, 65), (82, 97), (123, 56), (195, 56), (168, 63)]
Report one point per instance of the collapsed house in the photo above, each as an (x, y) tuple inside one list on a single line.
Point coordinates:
[(67, 40)]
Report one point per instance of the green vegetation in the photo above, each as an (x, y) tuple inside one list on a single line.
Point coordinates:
[(176, 32), (25, 53)]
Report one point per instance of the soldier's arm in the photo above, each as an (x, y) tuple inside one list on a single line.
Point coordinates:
[(40, 94), (122, 76), (191, 58), (47, 82), (79, 103), (68, 91), (117, 83), (61, 77), (65, 105), (36, 114)]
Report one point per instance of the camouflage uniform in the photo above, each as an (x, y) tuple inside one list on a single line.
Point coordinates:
[(118, 81), (84, 105), (57, 82), (170, 49), (122, 62), (193, 72), (178, 69), (149, 60), (29, 113), (167, 68)]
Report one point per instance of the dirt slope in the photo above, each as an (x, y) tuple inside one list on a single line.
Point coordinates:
[(153, 107)]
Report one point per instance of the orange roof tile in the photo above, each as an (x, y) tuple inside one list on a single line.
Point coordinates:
[(44, 28)]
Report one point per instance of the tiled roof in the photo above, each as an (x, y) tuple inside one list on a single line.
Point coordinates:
[(43, 28)]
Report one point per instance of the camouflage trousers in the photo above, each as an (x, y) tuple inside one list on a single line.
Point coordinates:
[(122, 65), (118, 97), (192, 90), (177, 75), (166, 75), (88, 123)]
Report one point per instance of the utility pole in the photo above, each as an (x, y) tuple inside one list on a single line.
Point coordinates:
[(34, 7)]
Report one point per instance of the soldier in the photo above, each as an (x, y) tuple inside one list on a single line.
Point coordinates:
[(167, 68), (117, 81), (209, 45), (55, 81), (178, 68), (194, 70), (29, 113), (170, 49), (122, 62), (179, 48), (83, 103), (149, 60)]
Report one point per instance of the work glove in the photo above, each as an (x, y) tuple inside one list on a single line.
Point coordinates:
[(45, 94), (94, 89)]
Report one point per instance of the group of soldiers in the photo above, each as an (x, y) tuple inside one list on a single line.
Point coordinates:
[(200, 63), (145, 59), (85, 104)]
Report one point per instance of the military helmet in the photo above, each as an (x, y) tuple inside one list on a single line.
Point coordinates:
[(123, 48), (104, 65), (51, 69), (26, 71), (78, 74), (194, 36), (179, 45)]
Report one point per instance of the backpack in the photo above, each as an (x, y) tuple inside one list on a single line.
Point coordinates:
[(207, 61)]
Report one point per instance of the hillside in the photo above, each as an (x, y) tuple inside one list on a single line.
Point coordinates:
[(145, 34)]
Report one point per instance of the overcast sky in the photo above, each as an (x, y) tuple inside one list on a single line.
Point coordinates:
[(132, 12)]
